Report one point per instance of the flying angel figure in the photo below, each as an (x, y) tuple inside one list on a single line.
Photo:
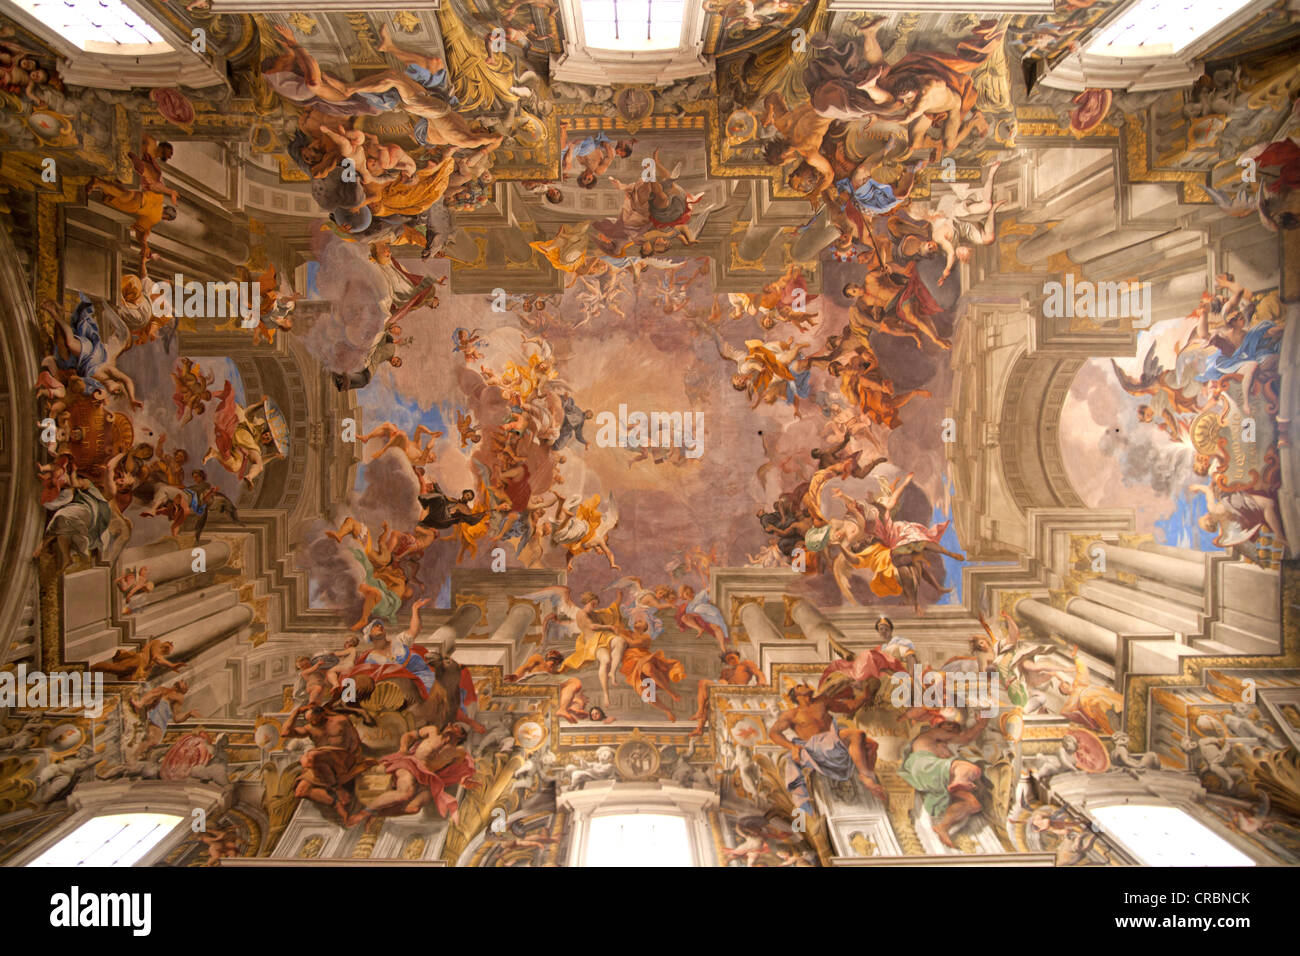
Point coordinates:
[(560, 621), (644, 603), (580, 527), (80, 350), (1155, 382)]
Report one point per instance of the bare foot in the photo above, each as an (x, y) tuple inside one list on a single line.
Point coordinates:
[(941, 831)]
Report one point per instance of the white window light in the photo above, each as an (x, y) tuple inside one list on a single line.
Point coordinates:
[(119, 839), (1167, 836), (1162, 28), (633, 25), (638, 839), (97, 26)]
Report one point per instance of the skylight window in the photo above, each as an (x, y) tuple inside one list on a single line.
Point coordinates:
[(97, 26), (638, 839), (119, 839), (633, 25), (1168, 836), (1151, 28)]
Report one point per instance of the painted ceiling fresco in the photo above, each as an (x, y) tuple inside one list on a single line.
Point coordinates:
[(427, 437)]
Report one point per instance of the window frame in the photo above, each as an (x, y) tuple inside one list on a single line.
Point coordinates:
[(1086, 792), (178, 66), (608, 798), (91, 800)]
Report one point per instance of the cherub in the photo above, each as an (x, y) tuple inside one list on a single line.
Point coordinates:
[(193, 389), (470, 434), (222, 843), (131, 582), (594, 153), (346, 658), (466, 341)]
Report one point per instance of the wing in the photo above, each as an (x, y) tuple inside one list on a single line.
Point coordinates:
[(1029, 655), (1144, 384), (1239, 534), (631, 581), (112, 329), (559, 593), (1013, 629), (609, 520)]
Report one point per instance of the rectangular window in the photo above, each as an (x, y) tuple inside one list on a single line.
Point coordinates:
[(1152, 28), (633, 24), (120, 839), (97, 26), (638, 839), (1168, 836)]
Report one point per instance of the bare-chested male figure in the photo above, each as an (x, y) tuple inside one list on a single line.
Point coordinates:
[(799, 133), (819, 744), (736, 671), (445, 125), (428, 763), (946, 782), (139, 664), (334, 762), (575, 705)]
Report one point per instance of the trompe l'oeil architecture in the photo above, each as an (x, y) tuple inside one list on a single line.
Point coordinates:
[(710, 434)]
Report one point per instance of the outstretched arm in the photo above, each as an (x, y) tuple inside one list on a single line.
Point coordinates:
[(287, 729), (413, 631), (891, 502)]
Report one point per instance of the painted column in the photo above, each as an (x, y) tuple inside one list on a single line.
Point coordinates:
[(193, 637), (455, 628), (1179, 572), (179, 563), (518, 620), (758, 628), (1093, 638), (816, 627)]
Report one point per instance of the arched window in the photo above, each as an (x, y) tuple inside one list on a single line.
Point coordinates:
[(116, 839)]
